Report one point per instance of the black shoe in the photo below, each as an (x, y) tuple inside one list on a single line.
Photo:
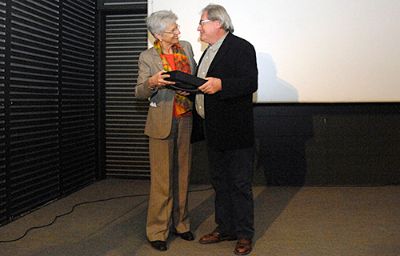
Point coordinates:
[(159, 245), (188, 236)]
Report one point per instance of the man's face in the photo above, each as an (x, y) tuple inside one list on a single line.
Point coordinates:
[(208, 29)]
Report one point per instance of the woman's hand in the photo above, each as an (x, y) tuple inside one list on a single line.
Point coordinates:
[(183, 93), (158, 80)]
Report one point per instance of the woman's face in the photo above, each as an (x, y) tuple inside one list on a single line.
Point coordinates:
[(171, 34)]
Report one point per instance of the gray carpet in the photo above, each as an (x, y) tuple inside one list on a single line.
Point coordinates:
[(290, 221)]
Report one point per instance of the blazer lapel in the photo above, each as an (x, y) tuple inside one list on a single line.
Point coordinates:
[(157, 59), (225, 46)]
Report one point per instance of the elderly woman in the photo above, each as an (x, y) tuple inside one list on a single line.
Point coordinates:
[(168, 125)]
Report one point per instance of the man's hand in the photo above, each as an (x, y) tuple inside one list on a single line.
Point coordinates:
[(213, 85)]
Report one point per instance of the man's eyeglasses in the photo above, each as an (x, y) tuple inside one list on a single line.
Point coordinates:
[(174, 31), (201, 22)]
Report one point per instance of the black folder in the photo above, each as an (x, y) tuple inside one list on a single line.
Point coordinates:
[(184, 81)]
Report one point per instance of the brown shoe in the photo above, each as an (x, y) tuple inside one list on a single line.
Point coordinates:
[(243, 247), (215, 237)]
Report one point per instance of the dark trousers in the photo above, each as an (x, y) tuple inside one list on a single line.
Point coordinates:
[(231, 173)]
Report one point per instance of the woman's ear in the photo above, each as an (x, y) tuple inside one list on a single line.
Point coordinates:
[(158, 36)]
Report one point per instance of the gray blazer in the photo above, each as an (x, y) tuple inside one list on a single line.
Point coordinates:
[(159, 117)]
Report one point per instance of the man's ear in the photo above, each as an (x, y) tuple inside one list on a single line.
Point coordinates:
[(219, 24)]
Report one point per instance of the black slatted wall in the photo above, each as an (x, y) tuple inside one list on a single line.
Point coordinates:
[(78, 143), (3, 191), (48, 68), (33, 149), (126, 147)]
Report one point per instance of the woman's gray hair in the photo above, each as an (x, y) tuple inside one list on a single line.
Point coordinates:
[(218, 12), (158, 21)]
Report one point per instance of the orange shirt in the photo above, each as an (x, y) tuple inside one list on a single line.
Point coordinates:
[(170, 59), (178, 110)]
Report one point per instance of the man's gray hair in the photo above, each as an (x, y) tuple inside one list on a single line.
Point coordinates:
[(218, 12), (158, 21)]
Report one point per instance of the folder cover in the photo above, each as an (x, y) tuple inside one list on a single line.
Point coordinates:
[(184, 81)]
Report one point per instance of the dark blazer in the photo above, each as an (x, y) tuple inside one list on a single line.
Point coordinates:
[(229, 113)]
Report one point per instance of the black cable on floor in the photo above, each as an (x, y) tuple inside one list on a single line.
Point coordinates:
[(84, 203)]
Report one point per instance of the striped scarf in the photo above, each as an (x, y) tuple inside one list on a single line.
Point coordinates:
[(182, 104)]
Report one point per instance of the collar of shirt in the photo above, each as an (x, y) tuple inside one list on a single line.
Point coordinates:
[(217, 44)]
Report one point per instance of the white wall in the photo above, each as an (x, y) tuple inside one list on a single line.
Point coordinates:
[(312, 50)]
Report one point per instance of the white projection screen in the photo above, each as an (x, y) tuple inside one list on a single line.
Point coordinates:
[(311, 51)]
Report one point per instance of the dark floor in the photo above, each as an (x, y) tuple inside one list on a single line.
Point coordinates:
[(290, 221)]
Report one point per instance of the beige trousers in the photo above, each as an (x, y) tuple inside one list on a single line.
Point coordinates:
[(170, 163)]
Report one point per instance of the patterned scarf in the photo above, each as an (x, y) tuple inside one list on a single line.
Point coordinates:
[(182, 104)]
